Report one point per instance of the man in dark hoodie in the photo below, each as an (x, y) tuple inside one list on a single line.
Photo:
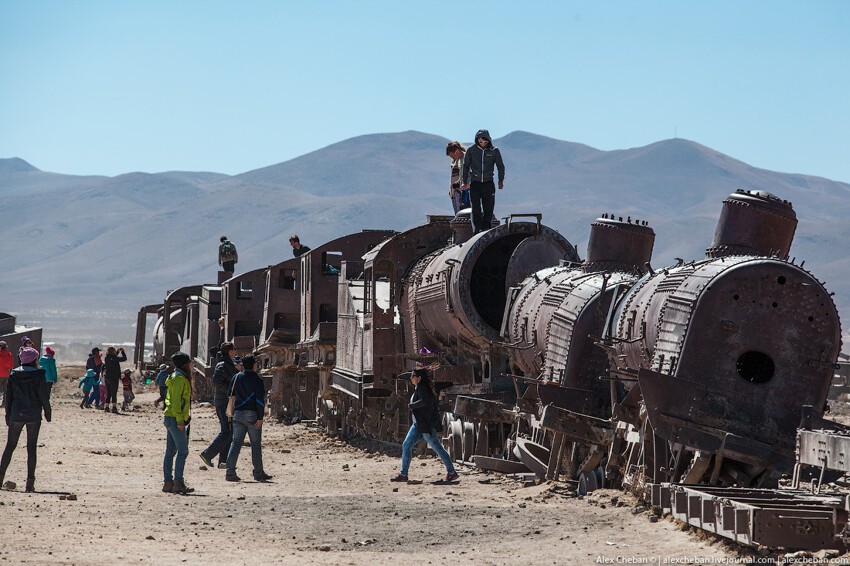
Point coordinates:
[(478, 164), (224, 371), (26, 397), (250, 394)]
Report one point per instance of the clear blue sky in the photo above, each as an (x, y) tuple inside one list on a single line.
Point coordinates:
[(113, 86)]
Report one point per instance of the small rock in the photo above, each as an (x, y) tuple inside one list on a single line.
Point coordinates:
[(62, 497), (325, 548), (71, 497), (240, 498), (59, 463), (203, 468), (10, 486), (345, 467), (825, 554), (149, 537), (395, 490), (653, 519)]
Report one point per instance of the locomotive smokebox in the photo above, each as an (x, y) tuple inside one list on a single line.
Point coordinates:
[(754, 223), (615, 245), (461, 292)]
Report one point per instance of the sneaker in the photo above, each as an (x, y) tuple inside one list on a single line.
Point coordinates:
[(451, 476), (30, 485), (206, 460), (233, 477), (167, 486), (181, 488), (399, 478), (115, 410), (264, 477)]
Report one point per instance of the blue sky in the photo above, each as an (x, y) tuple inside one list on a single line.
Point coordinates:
[(113, 86)]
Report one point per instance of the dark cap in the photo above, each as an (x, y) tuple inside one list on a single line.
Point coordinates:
[(180, 359)]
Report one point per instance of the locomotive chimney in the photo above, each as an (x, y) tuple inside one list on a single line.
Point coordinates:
[(615, 245), (754, 223)]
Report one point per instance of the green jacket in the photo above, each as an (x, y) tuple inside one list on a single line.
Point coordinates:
[(178, 397)]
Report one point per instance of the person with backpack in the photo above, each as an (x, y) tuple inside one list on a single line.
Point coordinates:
[(478, 165), (426, 421), (112, 376), (227, 255), (250, 406)]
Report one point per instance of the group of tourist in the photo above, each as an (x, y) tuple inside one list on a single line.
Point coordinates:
[(239, 399), (103, 375), (228, 257)]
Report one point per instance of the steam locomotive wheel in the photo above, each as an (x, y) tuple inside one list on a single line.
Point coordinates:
[(457, 440), (468, 441), (587, 483)]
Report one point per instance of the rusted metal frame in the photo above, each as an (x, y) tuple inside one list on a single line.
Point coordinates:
[(576, 427), (483, 410)]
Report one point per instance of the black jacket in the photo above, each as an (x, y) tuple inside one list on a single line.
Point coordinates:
[(478, 164), (224, 370), (112, 365), (425, 408), (250, 392), (27, 395)]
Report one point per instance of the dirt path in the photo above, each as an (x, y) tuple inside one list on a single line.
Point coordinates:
[(328, 503)]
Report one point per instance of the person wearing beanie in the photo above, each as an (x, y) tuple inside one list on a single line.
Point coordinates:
[(27, 398), (175, 417), (160, 382), (227, 256), (7, 362), (47, 362), (478, 165)]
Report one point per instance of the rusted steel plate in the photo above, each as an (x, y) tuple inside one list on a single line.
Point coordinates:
[(792, 519), (824, 449), (577, 427), (533, 455), (500, 465)]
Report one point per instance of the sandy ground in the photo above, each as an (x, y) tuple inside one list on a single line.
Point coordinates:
[(329, 502)]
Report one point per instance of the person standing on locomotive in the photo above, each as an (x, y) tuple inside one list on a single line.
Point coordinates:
[(426, 420), (478, 166), (227, 255), (298, 249), (460, 198)]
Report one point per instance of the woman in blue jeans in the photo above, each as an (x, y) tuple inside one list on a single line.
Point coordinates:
[(426, 420), (176, 420)]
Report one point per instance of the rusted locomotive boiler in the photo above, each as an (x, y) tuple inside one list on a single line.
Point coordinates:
[(551, 322), (418, 298), (719, 356)]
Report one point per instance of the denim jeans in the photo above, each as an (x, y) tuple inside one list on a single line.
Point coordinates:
[(412, 439), (12, 443), (243, 421), (176, 442), (482, 198), (221, 444)]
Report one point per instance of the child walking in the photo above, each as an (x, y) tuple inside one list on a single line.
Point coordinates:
[(87, 382), (127, 383)]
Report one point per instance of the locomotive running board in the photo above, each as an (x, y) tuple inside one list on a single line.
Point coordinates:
[(791, 519)]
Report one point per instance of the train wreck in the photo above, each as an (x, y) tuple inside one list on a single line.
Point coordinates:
[(684, 384)]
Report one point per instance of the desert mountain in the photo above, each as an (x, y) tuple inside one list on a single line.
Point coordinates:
[(92, 244)]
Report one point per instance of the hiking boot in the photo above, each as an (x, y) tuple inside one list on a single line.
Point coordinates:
[(167, 486), (263, 477), (206, 460), (451, 476), (399, 478), (30, 485), (181, 488), (232, 477)]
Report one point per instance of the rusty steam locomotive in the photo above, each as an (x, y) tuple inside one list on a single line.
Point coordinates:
[(595, 371)]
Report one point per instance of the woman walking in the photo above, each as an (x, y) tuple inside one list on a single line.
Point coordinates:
[(426, 421), (26, 398)]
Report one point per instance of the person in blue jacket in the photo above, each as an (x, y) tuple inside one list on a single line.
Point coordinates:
[(160, 382), (88, 381), (250, 393), (48, 364)]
